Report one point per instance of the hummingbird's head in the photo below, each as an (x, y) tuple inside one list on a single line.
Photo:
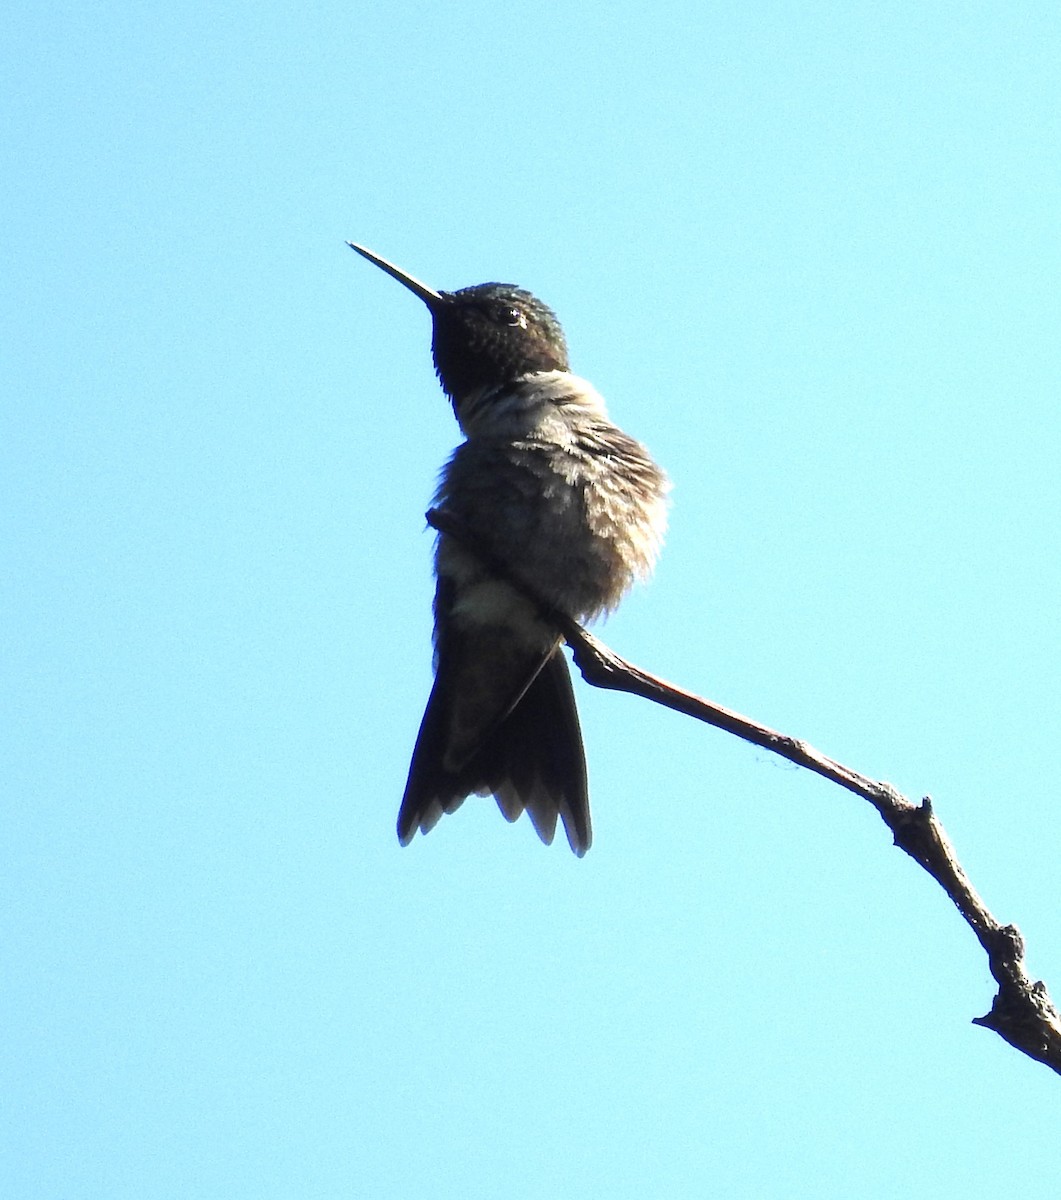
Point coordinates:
[(492, 334), (485, 335)]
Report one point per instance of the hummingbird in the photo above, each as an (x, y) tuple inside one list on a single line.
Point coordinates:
[(572, 507)]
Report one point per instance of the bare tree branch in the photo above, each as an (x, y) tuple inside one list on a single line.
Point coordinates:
[(1022, 1012)]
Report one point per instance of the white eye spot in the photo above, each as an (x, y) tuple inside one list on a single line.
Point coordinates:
[(514, 317)]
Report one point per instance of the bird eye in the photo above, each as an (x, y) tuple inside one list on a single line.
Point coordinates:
[(513, 316)]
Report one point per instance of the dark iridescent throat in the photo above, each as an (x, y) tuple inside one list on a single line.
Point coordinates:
[(491, 334)]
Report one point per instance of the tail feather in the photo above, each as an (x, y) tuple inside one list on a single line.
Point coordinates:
[(532, 761)]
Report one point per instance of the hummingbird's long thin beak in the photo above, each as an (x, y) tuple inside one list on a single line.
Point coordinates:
[(429, 296)]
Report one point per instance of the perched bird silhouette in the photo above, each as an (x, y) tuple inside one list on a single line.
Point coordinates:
[(572, 507)]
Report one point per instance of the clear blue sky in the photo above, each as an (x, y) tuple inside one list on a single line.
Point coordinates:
[(810, 254)]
